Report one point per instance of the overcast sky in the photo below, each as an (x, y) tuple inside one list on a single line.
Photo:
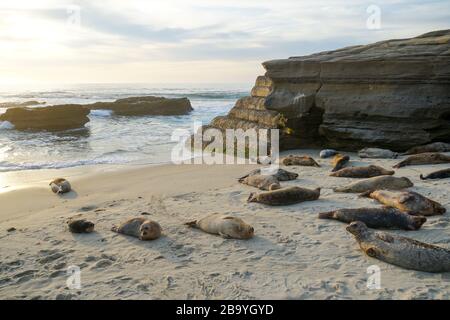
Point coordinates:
[(189, 41)]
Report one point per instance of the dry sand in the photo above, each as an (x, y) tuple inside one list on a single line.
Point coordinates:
[(293, 254)]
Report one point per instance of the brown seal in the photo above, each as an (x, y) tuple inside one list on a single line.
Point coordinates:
[(80, 226), (292, 160), (285, 196), (432, 147), (388, 218), (262, 182), (400, 251), (279, 174), (381, 182), (407, 201), (60, 186), (440, 174), (362, 172), (424, 158), (140, 227), (339, 161), (224, 225)]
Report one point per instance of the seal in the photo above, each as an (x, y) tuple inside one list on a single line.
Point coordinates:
[(376, 153), (292, 160), (407, 201), (440, 174), (285, 196), (60, 186), (375, 183), (339, 161), (262, 182), (80, 226), (140, 227), (424, 158), (400, 251), (224, 225), (432, 147), (385, 218), (327, 153), (362, 172), (279, 174)]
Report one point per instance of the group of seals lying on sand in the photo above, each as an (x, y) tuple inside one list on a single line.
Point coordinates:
[(362, 172), (375, 183), (401, 251), (224, 225), (432, 147), (440, 174), (423, 158), (407, 201), (285, 196), (292, 160), (389, 218)]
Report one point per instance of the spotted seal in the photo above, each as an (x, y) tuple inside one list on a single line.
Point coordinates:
[(292, 160), (285, 196), (140, 227), (440, 174), (279, 174), (362, 172), (224, 225), (432, 147), (381, 182), (80, 226), (423, 158), (377, 153), (60, 186), (262, 182)]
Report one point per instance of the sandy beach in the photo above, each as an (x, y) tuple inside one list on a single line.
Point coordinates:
[(293, 255)]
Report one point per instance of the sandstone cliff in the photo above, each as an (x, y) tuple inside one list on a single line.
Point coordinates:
[(392, 94)]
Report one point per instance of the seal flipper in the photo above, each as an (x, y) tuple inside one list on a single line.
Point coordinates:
[(326, 215), (115, 229), (224, 235), (365, 194), (192, 224), (252, 197), (422, 177)]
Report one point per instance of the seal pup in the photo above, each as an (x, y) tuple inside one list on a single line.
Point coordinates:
[(440, 174), (381, 182), (224, 225), (339, 161), (140, 227), (424, 158), (362, 172), (292, 160), (377, 153), (407, 201), (279, 174), (285, 196), (327, 153), (400, 251), (262, 182), (80, 226), (60, 186), (432, 147), (387, 218)]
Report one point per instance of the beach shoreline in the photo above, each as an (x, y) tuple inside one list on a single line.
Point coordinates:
[(293, 254)]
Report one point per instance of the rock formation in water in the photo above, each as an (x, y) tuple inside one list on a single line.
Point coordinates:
[(53, 118), (391, 94)]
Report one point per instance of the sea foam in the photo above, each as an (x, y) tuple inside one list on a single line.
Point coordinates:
[(101, 113), (6, 125)]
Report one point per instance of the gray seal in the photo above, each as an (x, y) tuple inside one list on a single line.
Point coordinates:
[(140, 227), (285, 196), (362, 172), (440, 174), (279, 174)]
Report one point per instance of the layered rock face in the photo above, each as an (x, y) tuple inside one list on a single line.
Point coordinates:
[(54, 118), (391, 94)]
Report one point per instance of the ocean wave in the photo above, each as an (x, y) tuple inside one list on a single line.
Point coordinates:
[(101, 113), (6, 125)]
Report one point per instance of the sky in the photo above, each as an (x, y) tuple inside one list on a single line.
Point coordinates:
[(189, 41)]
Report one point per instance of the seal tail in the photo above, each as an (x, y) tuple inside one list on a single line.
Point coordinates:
[(252, 197), (326, 215), (422, 177), (241, 179), (418, 221), (115, 229), (192, 224), (365, 194)]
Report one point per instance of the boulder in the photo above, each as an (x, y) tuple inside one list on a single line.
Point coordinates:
[(53, 118)]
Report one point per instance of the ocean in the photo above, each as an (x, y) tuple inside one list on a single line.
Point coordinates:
[(109, 139)]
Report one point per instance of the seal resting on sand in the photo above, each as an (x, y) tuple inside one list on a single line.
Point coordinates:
[(407, 201), (388, 218), (327, 153), (80, 226), (60, 186), (224, 225), (339, 161), (285, 196), (400, 251), (424, 158), (279, 174), (376, 153), (140, 227), (362, 172), (381, 182), (262, 182), (440, 174), (292, 160), (432, 147)]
